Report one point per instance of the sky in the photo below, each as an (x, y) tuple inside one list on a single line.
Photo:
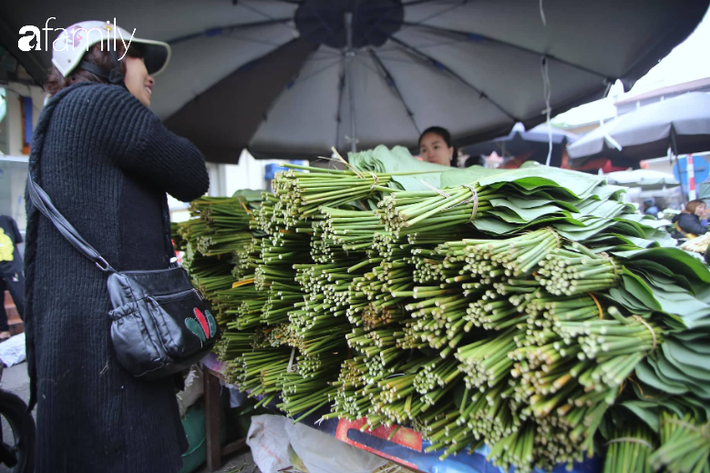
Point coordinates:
[(689, 61)]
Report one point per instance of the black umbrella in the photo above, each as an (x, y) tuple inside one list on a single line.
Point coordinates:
[(290, 78), (535, 144)]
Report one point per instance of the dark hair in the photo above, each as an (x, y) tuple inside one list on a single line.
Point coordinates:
[(475, 160), (691, 206), (95, 55), (446, 136)]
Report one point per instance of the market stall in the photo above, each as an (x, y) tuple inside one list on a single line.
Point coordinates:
[(528, 315), (468, 321)]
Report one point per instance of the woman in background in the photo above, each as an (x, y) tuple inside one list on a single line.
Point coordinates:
[(687, 223), (435, 146)]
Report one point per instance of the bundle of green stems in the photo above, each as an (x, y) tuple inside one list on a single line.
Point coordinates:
[(684, 445), (230, 213), (629, 449), (303, 193), (435, 209), (577, 270)]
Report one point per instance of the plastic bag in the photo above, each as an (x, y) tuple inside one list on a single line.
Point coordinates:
[(322, 453), (269, 442), (12, 351), (236, 397), (194, 389)]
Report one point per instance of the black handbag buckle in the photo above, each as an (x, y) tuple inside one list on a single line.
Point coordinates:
[(103, 265)]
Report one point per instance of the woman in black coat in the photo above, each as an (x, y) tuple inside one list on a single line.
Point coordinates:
[(107, 162), (687, 223)]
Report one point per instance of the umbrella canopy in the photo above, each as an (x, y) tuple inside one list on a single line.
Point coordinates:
[(290, 78), (534, 144), (704, 188), (681, 123), (646, 179)]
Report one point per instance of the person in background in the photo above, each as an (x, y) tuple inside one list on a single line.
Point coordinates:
[(11, 276), (435, 146), (687, 223), (475, 161), (649, 208), (107, 162)]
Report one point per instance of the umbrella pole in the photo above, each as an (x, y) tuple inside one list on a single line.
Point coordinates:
[(349, 56), (680, 176), (672, 151)]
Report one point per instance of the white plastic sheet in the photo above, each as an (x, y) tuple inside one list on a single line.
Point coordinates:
[(270, 436), (268, 441), (194, 389), (12, 351), (322, 453)]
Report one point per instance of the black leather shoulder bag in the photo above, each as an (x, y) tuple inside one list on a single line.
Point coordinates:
[(161, 324)]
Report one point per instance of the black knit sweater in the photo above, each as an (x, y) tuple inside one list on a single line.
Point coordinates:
[(106, 161)]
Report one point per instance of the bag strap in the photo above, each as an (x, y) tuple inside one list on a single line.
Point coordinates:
[(44, 204)]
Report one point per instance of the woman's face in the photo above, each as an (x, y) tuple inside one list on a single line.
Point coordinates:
[(138, 81), (700, 210), (433, 149)]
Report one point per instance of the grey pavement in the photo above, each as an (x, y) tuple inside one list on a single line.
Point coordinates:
[(16, 381), (239, 462)]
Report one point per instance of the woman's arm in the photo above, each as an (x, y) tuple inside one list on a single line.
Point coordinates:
[(141, 145), (691, 224), (170, 161)]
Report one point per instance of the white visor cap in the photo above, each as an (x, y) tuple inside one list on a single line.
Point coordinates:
[(72, 43)]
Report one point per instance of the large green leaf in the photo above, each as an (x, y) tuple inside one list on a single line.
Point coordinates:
[(609, 192), (528, 214), (645, 263), (674, 259), (382, 160), (644, 410), (697, 385), (632, 304), (508, 216), (640, 290), (683, 304), (602, 209), (577, 185), (688, 357), (688, 337), (647, 374), (534, 202), (457, 177)]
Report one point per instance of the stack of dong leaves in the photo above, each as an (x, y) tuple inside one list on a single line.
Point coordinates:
[(531, 310)]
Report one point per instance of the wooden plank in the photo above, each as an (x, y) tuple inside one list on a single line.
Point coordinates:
[(234, 447), (212, 420)]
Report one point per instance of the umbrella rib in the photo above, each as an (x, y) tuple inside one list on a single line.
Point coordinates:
[(429, 46), (391, 82), (472, 36), (402, 61), (251, 40), (259, 12), (341, 88), (460, 3), (293, 80), (419, 2), (315, 73), (322, 21), (439, 65), (220, 30)]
